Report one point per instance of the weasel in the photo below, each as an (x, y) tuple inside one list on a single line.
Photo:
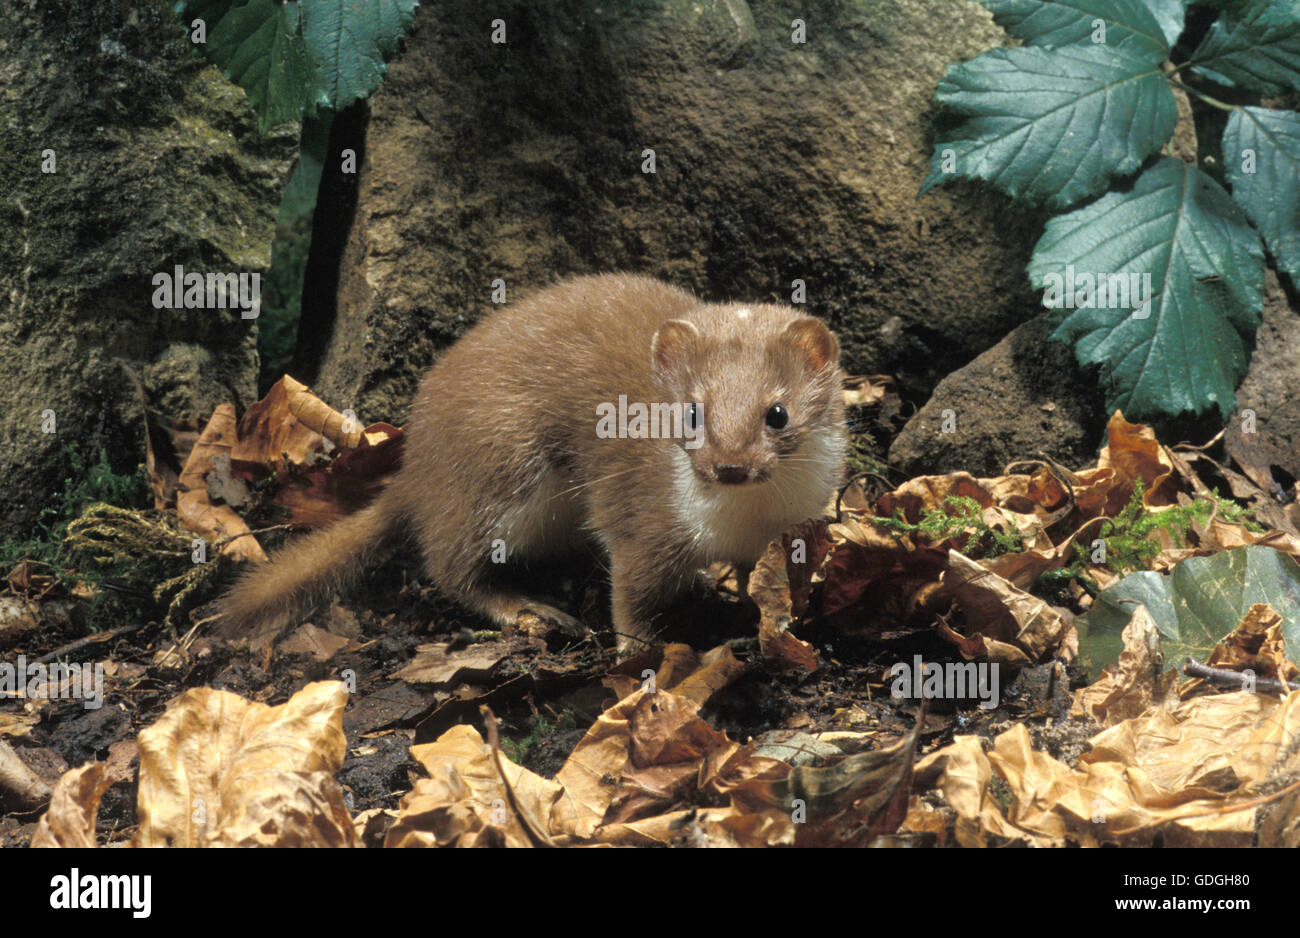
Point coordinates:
[(525, 440)]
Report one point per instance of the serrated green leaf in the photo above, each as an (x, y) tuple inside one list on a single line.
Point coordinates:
[(294, 57), (258, 45), (1205, 263), (1255, 46), (1145, 30), (1052, 126), (349, 43), (1201, 600), (1267, 142)]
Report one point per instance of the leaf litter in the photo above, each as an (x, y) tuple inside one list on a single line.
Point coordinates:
[(789, 738)]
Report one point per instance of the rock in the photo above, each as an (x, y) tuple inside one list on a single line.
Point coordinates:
[(1269, 393), (1024, 396), (775, 161), (158, 163)]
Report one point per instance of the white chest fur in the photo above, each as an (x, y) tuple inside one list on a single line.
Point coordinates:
[(735, 523)]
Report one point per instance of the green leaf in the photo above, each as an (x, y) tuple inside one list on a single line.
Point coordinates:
[(1255, 45), (1189, 347), (1146, 30), (258, 46), (349, 42), (1270, 195), (1052, 127), (1201, 600), (294, 57)]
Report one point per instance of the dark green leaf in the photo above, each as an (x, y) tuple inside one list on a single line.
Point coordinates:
[(1146, 30), (257, 44), (1201, 600), (1187, 349), (292, 58), (1267, 142), (1255, 45), (1052, 127), (349, 42)]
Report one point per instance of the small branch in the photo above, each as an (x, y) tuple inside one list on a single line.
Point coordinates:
[(1263, 685), (87, 640)]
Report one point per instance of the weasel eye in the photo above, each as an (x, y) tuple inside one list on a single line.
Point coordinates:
[(777, 417), (693, 417)]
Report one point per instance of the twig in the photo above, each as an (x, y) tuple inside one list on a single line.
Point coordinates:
[(537, 837), (87, 640), (1263, 685)]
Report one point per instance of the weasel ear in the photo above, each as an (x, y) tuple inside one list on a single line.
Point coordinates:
[(812, 342), (673, 344)]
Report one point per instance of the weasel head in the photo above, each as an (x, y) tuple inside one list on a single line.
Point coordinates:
[(760, 387)]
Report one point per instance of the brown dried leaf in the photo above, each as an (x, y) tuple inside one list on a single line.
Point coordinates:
[(74, 805), (219, 770), (1190, 773), (1136, 683), (1005, 615), (291, 430), (780, 586), (677, 667), (864, 390), (625, 783), (1131, 453), (433, 664), (194, 508), (1256, 644)]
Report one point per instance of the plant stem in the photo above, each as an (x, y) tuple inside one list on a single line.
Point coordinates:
[(1215, 102)]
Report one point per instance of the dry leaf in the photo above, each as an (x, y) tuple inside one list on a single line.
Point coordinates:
[(1136, 683), (433, 664), (195, 509), (70, 820), (218, 770), (1024, 628)]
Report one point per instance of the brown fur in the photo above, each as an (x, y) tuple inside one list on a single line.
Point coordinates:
[(502, 448)]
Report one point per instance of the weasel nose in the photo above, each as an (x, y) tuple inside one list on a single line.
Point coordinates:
[(730, 475)]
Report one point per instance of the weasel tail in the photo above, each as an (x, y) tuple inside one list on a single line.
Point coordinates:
[(307, 569)]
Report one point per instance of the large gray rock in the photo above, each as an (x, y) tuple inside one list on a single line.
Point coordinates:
[(1024, 396), (776, 161), (158, 163)]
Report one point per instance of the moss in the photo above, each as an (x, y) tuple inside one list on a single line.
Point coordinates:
[(959, 515), (86, 483), (518, 751)]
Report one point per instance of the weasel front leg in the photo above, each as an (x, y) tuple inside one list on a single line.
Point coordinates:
[(642, 583)]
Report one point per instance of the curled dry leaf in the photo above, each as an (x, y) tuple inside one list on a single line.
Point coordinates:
[(291, 431), (1131, 453), (864, 390), (635, 777), (1137, 683), (219, 770), (70, 820), (1257, 645), (194, 508), (1013, 627), (1191, 773), (870, 573), (780, 586), (679, 669), (433, 664)]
